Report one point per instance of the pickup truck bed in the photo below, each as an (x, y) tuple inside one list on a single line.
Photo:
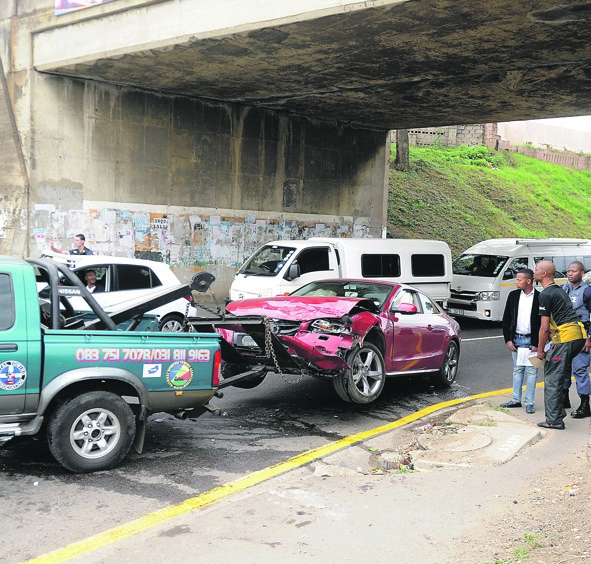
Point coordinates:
[(91, 389)]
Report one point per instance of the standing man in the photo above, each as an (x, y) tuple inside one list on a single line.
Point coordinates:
[(559, 320), (80, 249), (521, 329), (579, 293)]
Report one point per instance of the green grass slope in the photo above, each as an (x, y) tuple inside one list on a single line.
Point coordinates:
[(468, 194)]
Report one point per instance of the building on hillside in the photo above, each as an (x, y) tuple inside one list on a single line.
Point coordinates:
[(539, 139), (453, 135)]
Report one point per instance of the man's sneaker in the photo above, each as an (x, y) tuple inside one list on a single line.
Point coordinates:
[(530, 409)]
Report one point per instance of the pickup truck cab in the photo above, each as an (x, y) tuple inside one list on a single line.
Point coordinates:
[(87, 384)]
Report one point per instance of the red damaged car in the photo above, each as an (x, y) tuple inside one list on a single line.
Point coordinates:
[(354, 332)]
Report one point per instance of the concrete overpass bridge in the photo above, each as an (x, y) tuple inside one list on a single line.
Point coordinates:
[(235, 122)]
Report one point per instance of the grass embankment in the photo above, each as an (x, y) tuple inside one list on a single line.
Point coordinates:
[(465, 195)]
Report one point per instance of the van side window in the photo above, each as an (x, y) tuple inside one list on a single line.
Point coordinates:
[(313, 260), (427, 265), (6, 303), (380, 266), (561, 263), (514, 267)]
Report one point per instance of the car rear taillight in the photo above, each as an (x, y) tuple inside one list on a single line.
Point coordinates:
[(188, 298), (217, 362)]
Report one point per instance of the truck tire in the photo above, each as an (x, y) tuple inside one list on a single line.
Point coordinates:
[(446, 375), (90, 432), (364, 382)]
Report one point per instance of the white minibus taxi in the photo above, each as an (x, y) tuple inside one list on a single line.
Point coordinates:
[(484, 274), (280, 267)]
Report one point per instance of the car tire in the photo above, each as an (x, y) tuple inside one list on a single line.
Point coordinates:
[(446, 375), (364, 382), (90, 432), (171, 323)]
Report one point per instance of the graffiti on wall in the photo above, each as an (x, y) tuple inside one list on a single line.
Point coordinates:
[(65, 6), (191, 239)]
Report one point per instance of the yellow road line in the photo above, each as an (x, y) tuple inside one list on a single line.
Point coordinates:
[(207, 498)]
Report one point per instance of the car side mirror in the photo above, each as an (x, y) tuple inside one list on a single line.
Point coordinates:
[(406, 308), (293, 271), (508, 275), (202, 281)]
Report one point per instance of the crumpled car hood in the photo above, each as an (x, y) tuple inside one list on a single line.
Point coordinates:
[(301, 308)]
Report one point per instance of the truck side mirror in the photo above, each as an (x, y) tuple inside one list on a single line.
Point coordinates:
[(508, 275), (293, 271)]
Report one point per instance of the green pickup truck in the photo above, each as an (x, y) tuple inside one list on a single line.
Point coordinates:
[(89, 382)]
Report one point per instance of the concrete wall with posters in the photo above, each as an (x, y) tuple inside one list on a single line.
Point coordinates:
[(198, 184)]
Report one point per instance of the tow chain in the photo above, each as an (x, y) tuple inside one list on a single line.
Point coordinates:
[(217, 313), (269, 349), (270, 353), (185, 319)]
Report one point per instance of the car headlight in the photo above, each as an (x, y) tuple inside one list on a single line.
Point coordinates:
[(328, 326), (267, 293), (488, 296)]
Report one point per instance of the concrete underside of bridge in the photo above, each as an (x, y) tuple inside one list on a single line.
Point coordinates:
[(383, 65), (193, 132)]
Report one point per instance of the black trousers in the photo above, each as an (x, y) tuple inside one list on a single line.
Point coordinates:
[(559, 360)]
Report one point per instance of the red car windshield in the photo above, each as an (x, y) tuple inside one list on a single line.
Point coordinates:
[(347, 289)]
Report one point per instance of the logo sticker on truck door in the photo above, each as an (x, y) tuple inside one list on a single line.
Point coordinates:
[(12, 375), (179, 375)]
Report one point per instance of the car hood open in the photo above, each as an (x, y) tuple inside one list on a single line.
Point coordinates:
[(302, 308)]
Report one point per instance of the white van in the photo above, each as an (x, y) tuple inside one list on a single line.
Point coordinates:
[(485, 273), (280, 267)]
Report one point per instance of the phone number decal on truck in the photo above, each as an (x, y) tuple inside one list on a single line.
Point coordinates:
[(141, 355)]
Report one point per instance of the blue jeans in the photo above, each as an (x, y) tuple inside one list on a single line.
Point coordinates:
[(581, 373), (519, 372)]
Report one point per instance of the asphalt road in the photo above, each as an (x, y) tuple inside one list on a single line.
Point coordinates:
[(181, 459)]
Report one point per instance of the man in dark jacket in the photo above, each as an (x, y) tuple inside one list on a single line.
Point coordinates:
[(521, 328)]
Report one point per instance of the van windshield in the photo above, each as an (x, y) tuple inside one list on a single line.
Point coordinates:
[(267, 261), (488, 266)]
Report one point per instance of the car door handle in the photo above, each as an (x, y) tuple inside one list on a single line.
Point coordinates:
[(8, 347)]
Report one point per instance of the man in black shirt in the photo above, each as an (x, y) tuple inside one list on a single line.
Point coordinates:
[(79, 241), (560, 321)]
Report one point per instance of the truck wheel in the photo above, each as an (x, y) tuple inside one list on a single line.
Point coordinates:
[(365, 381), (93, 431), (171, 324), (446, 375)]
